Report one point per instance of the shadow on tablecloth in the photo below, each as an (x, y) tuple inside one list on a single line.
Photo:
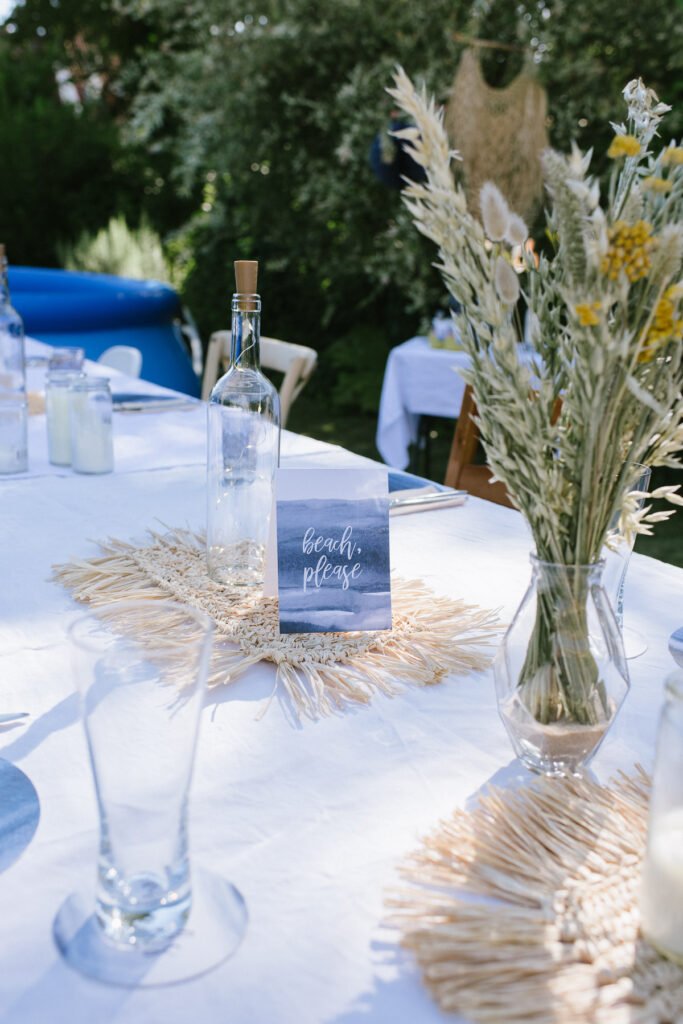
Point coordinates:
[(19, 813)]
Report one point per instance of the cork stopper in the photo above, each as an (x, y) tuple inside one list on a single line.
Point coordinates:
[(246, 277), (2, 251)]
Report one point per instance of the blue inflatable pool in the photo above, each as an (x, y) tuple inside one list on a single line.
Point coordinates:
[(96, 311)]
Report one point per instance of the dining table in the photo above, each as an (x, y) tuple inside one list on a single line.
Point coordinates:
[(310, 819), (423, 380), (420, 379)]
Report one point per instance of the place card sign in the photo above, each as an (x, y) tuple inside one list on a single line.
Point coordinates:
[(332, 530)]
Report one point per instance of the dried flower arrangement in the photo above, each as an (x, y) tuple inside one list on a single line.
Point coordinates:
[(603, 389)]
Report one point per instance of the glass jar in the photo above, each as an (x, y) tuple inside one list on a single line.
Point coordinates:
[(661, 898), (92, 444), (58, 414), (561, 674), (69, 357)]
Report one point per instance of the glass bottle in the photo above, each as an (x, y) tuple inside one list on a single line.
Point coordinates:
[(13, 403), (661, 898), (243, 448)]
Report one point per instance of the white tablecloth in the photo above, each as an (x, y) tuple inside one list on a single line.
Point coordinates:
[(311, 822), (418, 381)]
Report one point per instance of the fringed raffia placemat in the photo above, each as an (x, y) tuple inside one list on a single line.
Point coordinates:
[(525, 909), (320, 672)]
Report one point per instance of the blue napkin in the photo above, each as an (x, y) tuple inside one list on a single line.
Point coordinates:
[(399, 481), (121, 398)]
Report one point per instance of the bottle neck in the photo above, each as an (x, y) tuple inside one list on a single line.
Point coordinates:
[(4, 286), (246, 332)]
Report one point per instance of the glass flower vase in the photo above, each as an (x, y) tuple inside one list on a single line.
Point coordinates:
[(561, 673)]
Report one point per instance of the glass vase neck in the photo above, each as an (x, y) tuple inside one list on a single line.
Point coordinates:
[(246, 331), (557, 572)]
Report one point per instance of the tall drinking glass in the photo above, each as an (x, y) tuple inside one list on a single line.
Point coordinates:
[(140, 667)]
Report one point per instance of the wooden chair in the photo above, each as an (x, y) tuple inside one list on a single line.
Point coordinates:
[(296, 362), (461, 471)]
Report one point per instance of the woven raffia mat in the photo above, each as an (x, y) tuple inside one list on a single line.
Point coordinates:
[(526, 909), (431, 637)]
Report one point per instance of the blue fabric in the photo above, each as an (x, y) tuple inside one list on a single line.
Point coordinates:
[(399, 481), (402, 165)]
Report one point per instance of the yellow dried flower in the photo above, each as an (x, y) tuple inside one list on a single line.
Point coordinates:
[(672, 155), (623, 145), (657, 184), (588, 313), (665, 325), (630, 246)]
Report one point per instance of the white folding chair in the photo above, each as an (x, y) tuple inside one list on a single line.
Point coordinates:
[(296, 362), (125, 358), (217, 354)]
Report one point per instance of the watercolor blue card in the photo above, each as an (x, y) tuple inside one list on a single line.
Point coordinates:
[(332, 530)]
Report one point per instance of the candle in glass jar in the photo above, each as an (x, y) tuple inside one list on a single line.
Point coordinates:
[(661, 897), (57, 408), (662, 893), (92, 446)]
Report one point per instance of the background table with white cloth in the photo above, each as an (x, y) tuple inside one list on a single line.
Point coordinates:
[(309, 822), (419, 380)]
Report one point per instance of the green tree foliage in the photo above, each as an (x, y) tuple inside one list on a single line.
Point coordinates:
[(273, 112), (586, 51), (64, 168), (271, 109), (118, 249), (57, 169), (248, 127)]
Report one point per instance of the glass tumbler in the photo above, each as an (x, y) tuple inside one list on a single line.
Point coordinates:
[(661, 900), (141, 668)]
